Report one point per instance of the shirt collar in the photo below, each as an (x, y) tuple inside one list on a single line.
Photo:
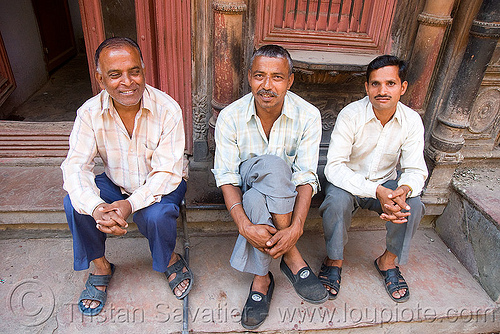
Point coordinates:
[(287, 109), (146, 102), (370, 114)]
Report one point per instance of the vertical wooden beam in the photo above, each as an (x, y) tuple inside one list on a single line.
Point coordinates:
[(173, 48), (434, 21), (93, 33), (228, 24), (146, 38), (202, 17)]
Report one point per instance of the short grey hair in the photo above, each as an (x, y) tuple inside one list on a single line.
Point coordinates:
[(116, 43), (273, 51)]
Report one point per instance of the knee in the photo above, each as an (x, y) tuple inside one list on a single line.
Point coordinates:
[(275, 165), (158, 215), (336, 200)]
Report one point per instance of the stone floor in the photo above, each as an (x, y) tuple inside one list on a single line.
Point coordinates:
[(39, 291), (67, 89)]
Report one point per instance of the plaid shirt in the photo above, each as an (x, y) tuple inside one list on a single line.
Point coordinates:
[(146, 166), (364, 154), (294, 137)]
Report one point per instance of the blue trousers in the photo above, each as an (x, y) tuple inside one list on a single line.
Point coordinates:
[(339, 206), (157, 222)]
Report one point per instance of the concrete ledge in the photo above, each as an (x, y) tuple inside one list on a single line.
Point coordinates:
[(470, 225)]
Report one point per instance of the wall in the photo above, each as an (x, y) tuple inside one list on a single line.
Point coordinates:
[(22, 41), (76, 20)]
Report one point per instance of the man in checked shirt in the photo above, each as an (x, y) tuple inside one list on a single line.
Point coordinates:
[(138, 132), (267, 148)]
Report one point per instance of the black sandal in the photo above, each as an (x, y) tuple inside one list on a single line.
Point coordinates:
[(256, 307), (394, 281), (94, 294), (180, 276), (330, 276)]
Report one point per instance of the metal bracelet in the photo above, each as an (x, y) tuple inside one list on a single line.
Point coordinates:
[(232, 206)]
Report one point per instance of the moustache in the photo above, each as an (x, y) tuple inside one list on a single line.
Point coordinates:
[(268, 92), (383, 96)]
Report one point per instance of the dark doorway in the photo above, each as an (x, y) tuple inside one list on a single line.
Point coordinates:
[(56, 31)]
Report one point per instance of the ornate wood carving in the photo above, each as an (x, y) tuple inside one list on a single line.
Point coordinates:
[(355, 25)]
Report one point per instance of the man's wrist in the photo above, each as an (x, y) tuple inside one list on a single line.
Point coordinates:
[(409, 190)]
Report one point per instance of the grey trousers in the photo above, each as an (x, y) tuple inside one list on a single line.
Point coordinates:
[(267, 188), (339, 206)]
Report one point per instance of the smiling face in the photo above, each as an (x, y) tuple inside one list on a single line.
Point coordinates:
[(269, 80), (384, 89), (122, 76)]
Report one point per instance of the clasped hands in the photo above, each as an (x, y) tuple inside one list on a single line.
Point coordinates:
[(393, 202), (111, 218), (270, 240)]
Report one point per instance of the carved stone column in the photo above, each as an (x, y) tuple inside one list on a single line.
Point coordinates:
[(434, 20), (227, 57), (447, 139)]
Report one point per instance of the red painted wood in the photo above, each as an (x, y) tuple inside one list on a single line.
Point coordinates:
[(173, 36), (93, 32), (7, 81), (164, 35), (371, 34), (146, 38)]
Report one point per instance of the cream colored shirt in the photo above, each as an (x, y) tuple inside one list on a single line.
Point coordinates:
[(364, 154), (145, 166), (294, 137)]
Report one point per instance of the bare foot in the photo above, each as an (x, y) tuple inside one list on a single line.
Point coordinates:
[(294, 261), (261, 283)]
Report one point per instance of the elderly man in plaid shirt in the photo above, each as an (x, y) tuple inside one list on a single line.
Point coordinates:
[(267, 148), (138, 132)]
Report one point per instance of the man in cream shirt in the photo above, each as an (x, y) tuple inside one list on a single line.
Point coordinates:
[(371, 136)]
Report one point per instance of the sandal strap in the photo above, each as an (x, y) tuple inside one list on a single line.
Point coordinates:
[(180, 276), (101, 280), (394, 280), (331, 276), (92, 293)]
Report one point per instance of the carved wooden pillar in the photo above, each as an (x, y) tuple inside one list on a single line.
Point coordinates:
[(447, 139), (201, 16), (433, 23), (227, 56)]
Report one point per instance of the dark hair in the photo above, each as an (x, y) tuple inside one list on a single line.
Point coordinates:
[(387, 60), (273, 51), (116, 43)]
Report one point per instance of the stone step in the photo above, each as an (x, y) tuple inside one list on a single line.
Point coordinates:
[(32, 194), (41, 290)]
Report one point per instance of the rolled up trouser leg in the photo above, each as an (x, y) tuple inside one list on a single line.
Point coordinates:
[(267, 188)]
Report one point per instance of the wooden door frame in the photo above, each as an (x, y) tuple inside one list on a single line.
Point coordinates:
[(164, 35), (7, 81)]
